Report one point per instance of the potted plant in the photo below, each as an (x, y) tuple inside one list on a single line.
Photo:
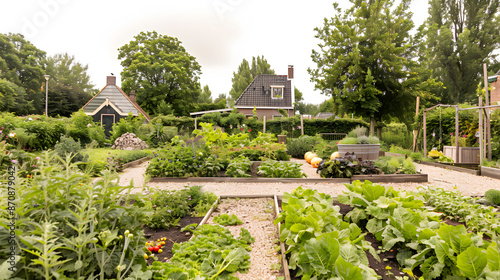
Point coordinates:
[(356, 141)]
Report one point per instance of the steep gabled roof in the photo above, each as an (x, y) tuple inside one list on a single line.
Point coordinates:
[(118, 98), (258, 93)]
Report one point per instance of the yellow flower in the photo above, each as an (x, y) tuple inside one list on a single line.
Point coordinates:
[(388, 267)]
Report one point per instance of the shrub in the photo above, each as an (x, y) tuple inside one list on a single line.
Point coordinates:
[(346, 167), (493, 196), (68, 146)]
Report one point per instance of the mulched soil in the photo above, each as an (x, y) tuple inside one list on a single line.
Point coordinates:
[(173, 235)]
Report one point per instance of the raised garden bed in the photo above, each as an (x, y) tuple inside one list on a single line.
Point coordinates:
[(490, 172), (471, 168)]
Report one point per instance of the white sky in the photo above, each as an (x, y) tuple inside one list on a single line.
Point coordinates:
[(219, 33)]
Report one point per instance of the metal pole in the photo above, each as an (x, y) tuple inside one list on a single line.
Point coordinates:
[(46, 95), (425, 133), (457, 152), (480, 131)]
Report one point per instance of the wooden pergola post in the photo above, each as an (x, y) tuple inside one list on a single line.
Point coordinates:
[(301, 125), (481, 131), (425, 133), (457, 153), (264, 123)]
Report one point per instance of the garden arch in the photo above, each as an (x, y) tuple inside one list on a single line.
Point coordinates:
[(480, 107)]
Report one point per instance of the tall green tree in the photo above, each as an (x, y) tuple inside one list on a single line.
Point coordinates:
[(69, 84), (365, 59), (21, 63), (458, 37), (161, 71), (245, 74), (205, 96)]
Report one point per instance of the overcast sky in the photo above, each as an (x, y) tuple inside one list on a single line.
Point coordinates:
[(219, 33)]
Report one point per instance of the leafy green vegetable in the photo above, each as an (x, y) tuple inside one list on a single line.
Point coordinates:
[(227, 220), (212, 253), (280, 169)]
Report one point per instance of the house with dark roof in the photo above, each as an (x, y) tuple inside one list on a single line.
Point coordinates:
[(112, 104), (267, 94)]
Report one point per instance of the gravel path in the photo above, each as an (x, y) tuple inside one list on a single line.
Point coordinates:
[(467, 184), (257, 215)]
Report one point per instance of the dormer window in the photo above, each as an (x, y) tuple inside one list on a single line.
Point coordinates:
[(277, 92)]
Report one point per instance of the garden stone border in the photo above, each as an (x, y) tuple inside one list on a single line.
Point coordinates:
[(454, 167)]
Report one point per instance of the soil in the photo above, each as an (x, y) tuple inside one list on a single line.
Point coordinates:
[(173, 235)]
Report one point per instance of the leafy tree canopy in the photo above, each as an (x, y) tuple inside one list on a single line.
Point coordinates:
[(458, 37), (163, 74), (205, 96), (365, 59), (245, 74), (69, 85), (21, 63)]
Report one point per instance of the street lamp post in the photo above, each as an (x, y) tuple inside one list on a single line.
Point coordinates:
[(46, 95)]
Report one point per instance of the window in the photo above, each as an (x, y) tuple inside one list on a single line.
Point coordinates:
[(277, 92)]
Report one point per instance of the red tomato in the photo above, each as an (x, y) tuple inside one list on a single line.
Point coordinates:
[(155, 249), (150, 248)]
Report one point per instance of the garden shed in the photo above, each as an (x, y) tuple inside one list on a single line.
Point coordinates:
[(111, 104), (267, 94)]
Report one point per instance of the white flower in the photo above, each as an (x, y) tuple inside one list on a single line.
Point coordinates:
[(12, 134), (89, 125)]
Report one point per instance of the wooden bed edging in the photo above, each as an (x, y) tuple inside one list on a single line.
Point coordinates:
[(490, 172), (455, 168), (395, 178), (136, 162), (284, 261), (249, 180)]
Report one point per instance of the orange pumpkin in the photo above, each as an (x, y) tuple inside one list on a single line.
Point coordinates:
[(316, 161), (306, 154), (310, 157)]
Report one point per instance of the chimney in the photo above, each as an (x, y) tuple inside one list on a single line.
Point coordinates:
[(292, 83), (111, 80), (290, 71), (132, 96)]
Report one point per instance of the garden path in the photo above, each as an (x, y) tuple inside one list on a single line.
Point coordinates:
[(467, 184)]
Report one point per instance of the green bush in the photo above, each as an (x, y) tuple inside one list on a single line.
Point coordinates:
[(493, 196), (68, 146), (397, 134), (396, 165)]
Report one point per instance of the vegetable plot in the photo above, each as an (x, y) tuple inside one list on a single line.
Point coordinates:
[(425, 244), (320, 244)]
